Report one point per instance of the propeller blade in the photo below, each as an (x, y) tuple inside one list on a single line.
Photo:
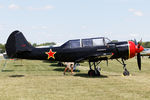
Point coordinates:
[(135, 42), (107, 62), (139, 60)]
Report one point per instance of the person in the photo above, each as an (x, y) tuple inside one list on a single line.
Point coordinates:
[(68, 66)]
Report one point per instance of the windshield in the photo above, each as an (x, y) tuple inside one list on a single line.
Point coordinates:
[(98, 42), (107, 40)]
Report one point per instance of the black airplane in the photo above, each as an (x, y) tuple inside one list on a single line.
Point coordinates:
[(93, 50)]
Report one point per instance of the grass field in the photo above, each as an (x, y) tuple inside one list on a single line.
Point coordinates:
[(39, 80)]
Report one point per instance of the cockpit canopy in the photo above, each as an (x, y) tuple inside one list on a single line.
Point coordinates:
[(90, 42)]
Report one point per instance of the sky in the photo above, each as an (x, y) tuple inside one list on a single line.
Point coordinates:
[(62, 20)]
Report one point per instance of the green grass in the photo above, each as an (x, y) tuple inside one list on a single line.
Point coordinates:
[(40, 80)]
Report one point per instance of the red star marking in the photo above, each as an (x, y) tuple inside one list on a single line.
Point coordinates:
[(50, 54)]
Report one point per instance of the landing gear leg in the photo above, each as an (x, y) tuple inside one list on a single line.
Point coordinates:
[(91, 72), (125, 72), (96, 71)]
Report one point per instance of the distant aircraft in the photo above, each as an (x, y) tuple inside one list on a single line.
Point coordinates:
[(146, 52), (93, 50)]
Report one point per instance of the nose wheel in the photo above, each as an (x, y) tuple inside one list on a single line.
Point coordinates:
[(125, 72)]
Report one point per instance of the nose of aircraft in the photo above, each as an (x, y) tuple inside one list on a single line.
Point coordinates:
[(134, 49), (139, 48)]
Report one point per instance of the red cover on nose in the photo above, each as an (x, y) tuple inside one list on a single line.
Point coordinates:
[(139, 49), (132, 49)]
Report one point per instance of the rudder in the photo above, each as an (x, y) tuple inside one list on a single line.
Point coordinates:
[(17, 43)]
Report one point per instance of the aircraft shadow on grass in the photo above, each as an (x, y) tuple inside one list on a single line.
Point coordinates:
[(59, 69), (47, 61), (16, 76), (18, 65), (87, 76), (56, 65), (7, 70), (80, 74), (62, 69)]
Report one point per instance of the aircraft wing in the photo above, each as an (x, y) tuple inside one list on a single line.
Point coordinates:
[(145, 52), (102, 55), (96, 56)]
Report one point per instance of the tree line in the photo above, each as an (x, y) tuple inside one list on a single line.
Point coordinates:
[(44, 44), (2, 46)]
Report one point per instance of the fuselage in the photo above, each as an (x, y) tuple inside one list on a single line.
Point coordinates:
[(112, 50), (78, 50), (91, 49)]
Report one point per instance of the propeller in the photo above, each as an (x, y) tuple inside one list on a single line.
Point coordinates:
[(139, 60), (138, 52), (135, 42)]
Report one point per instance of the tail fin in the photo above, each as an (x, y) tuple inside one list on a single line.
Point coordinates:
[(17, 43)]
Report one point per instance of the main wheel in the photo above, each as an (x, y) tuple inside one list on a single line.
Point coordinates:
[(91, 73)]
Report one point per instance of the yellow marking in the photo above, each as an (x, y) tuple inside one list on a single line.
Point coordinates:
[(129, 49), (50, 54), (130, 75), (122, 75), (125, 76)]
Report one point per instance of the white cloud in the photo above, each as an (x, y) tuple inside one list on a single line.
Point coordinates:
[(39, 27), (13, 6), (2, 27), (34, 27), (134, 35), (1, 6), (48, 7), (108, 33), (136, 12), (84, 27), (131, 10), (44, 27)]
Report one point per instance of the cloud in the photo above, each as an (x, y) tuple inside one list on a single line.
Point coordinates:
[(13, 6), (39, 27), (134, 35), (48, 7), (44, 27), (2, 27), (136, 12), (1, 6), (30, 8), (34, 27), (84, 27), (131, 10)]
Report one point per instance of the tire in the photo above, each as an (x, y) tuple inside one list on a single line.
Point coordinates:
[(91, 73), (126, 73)]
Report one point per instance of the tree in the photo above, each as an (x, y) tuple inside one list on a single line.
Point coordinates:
[(46, 44), (34, 44), (146, 44), (2, 47)]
